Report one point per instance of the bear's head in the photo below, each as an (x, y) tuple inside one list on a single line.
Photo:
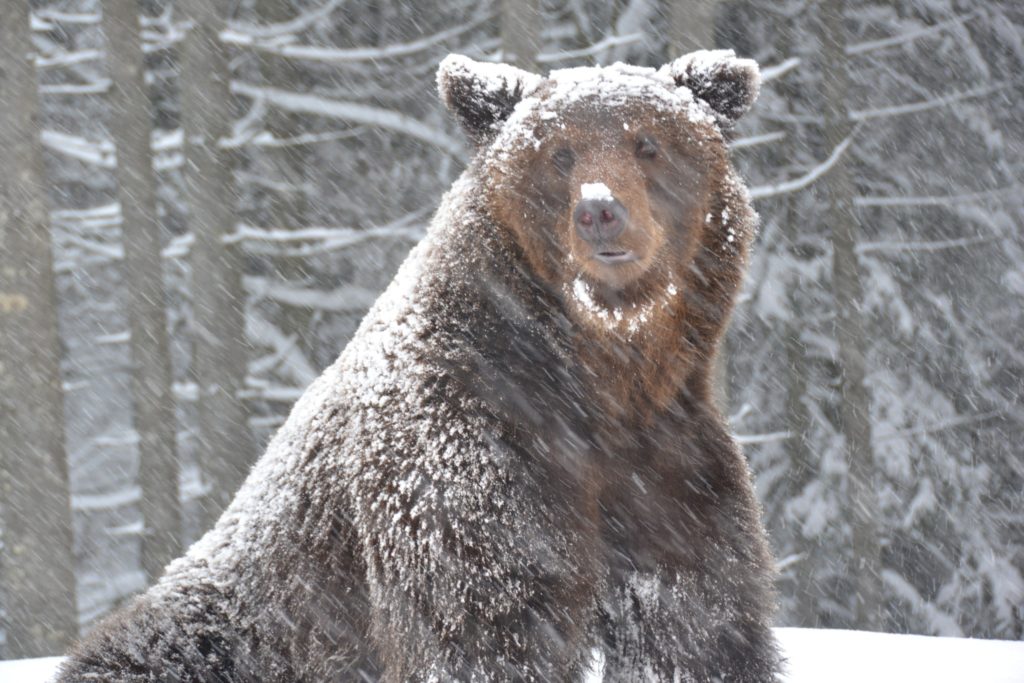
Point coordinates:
[(615, 181)]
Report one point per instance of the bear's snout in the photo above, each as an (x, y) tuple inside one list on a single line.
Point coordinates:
[(600, 220)]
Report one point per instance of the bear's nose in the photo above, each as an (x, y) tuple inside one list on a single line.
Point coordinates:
[(600, 220)]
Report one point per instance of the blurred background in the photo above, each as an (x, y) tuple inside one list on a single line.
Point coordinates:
[(199, 200)]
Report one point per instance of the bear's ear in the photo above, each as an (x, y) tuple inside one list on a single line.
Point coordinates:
[(482, 94), (727, 83)]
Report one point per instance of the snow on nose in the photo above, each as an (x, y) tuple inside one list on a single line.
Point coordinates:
[(597, 191)]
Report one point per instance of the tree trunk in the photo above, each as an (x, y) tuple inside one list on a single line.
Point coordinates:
[(691, 26), (37, 564), (219, 364), (803, 462), (851, 336), (520, 33), (154, 416), (288, 207)]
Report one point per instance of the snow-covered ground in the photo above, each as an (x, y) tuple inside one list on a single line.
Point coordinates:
[(815, 656), (28, 670)]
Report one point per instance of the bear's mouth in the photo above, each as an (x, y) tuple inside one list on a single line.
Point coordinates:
[(615, 256)]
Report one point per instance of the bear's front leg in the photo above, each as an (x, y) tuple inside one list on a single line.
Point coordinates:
[(478, 569), (688, 627), (690, 596), (495, 611)]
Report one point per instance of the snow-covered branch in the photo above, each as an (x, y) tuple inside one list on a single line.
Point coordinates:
[(333, 55), (106, 501), (938, 426), (344, 299), (909, 36), (770, 73), (251, 32), (940, 621), (933, 245), (93, 218), (601, 45), (268, 139), (406, 227), (103, 153), (336, 236), (244, 129), (68, 58), (113, 252), (754, 140), (179, 246), (94, 88), (747, 439), (762, 191), (287, 358), (49, 19), (933, 200), (924, 105), (275, 393), (353, 112), (99, 153), (113, 338)]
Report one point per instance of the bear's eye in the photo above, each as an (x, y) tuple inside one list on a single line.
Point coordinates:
[(564, 160), (646, 147)]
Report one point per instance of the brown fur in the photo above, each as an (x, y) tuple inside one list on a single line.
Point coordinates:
[(667, 197), (497, 476)]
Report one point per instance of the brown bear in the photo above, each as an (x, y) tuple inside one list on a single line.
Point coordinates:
[(516, 461)]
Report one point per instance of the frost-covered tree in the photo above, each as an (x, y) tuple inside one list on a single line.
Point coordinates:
[(220, 348), (340, 155), (36, 567), (936, 249), (520, 33), (849, 327), (153, 399)]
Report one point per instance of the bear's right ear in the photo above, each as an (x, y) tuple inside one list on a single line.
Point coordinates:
[(482, 94)]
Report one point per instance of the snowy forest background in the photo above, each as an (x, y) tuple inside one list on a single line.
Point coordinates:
[(199, 199)]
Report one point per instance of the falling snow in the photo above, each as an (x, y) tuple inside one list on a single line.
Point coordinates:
[(338, 152)]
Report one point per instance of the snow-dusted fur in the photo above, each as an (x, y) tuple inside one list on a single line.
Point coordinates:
[(450, 501)]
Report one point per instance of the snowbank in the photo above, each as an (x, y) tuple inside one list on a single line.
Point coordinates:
[(28, 670), (814, 656), (858, 657)]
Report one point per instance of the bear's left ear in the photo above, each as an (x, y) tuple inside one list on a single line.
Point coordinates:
[(727, 83), (482, 94)]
